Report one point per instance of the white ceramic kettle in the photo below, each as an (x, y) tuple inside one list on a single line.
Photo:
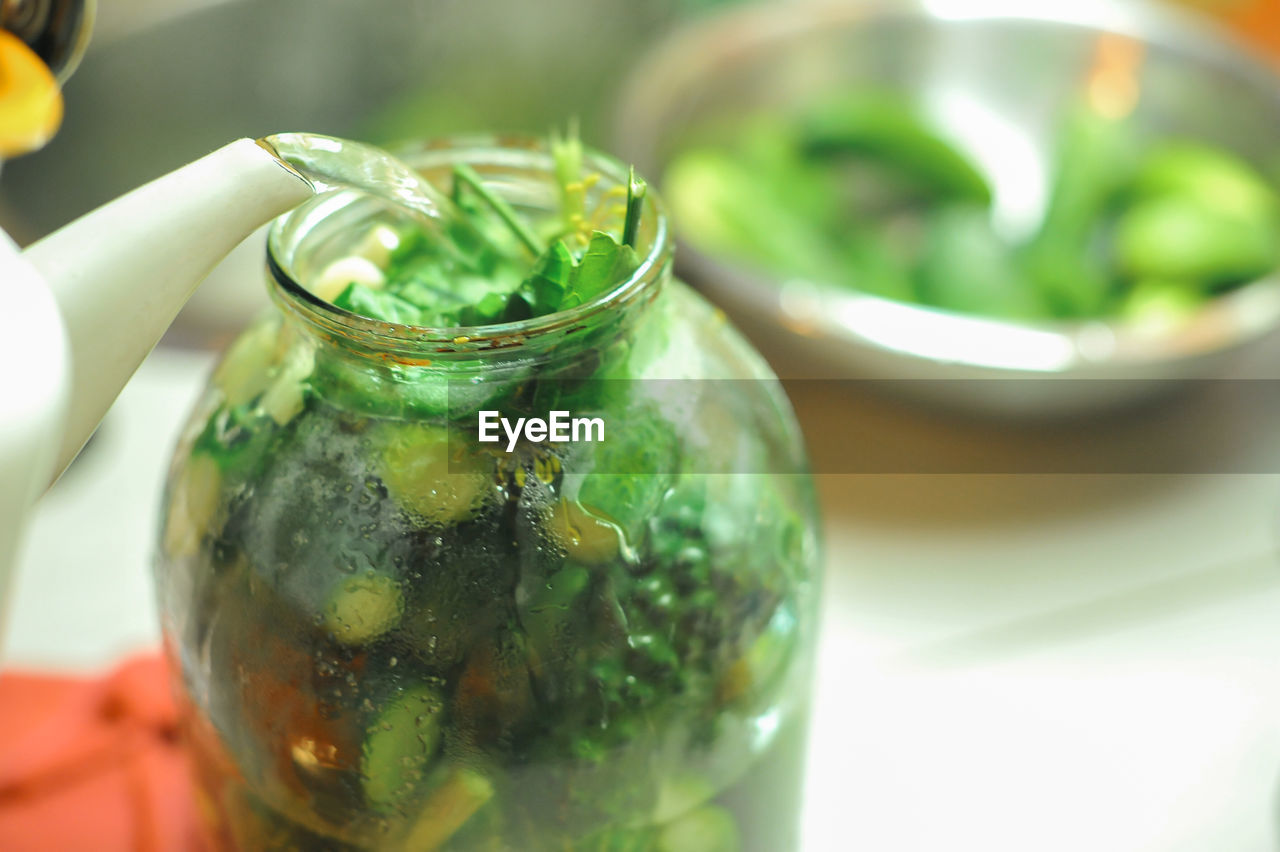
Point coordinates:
[(81, 308)]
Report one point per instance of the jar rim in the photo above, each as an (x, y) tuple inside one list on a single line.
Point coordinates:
[(488, 150)]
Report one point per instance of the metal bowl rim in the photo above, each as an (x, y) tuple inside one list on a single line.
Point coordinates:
[(1227, 321)]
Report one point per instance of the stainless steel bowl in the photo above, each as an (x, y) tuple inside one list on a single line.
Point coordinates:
[(997, 77)]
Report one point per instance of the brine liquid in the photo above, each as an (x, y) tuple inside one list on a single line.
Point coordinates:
[(331, 163)]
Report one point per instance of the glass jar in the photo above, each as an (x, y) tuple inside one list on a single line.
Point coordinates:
[(390, 635)]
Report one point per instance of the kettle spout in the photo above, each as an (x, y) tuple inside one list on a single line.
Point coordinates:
[(121, 273)]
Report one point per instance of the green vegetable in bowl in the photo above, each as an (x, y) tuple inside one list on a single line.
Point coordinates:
[(965, 267), (736, 209), (1176, 237), (1210, 176), (725, 203), (859, 191), (1160, 304), (1095, 160), (887, 131), (1199, 215)]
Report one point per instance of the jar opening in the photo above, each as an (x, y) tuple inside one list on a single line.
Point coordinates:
[(518, 168)]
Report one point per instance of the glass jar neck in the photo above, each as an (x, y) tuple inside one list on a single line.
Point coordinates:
[(520, 170)]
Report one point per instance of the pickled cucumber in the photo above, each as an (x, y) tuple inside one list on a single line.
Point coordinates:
[(707, 829), (363, 608), (429, 478), (448, 809), (400, 746), (585, 535)]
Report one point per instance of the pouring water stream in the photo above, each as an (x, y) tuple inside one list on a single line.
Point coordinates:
[(329, 163)]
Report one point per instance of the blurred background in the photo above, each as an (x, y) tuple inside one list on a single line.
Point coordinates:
[(1049, 660)]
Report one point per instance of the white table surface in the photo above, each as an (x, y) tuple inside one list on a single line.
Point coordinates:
[(1007, 663)]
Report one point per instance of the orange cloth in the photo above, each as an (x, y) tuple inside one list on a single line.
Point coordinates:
[(93, 764), (1260, 21)]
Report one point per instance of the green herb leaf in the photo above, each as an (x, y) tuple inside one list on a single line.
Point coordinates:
[(486, 276), (464, 173), (378, 305), (549, 279), (429, 296), (490, 309), (636, 189), (517, 309), (604, 265)]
